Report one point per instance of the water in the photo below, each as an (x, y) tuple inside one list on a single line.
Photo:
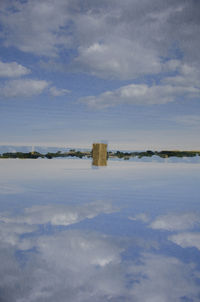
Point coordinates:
[(125, 232)]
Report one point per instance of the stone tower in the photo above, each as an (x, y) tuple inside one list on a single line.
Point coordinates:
[(99, 154)]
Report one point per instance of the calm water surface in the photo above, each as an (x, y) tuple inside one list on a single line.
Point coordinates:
[(126, 232)]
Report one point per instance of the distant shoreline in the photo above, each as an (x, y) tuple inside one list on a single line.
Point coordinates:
[(88, 154)]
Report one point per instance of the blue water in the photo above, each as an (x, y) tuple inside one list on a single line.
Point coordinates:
[(126, 232)]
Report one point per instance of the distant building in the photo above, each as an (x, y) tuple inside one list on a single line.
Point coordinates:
[(33, 150), (99, 154)]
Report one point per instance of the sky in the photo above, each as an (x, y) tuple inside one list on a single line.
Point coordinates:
[(123, 72)]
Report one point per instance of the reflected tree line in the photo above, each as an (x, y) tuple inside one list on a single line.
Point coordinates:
[(96, 156)]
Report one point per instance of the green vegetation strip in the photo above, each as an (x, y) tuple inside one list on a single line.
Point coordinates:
[(111, 154)]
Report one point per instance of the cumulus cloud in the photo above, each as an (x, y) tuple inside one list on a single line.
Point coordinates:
[(83, 265), (108, 39), (34, 26), (176, 222), (113, 60), (73, 264), (60, 215), (157, 275), (10, 232), (184, 84), (140, 94), (12, 227), (22, 88), (12, 69), (58, 92), (86, 266), (186, 76), (188, 239)]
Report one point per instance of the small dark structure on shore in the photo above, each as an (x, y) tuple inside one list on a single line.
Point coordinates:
[(99, 154)]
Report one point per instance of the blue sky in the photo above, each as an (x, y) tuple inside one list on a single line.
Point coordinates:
[(73, 72)]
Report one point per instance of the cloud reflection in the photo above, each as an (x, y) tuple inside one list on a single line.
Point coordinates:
[(176, 222), (186, 239), (164, 279), (140, 217), (79, 266), (10, 232), (61, 214)]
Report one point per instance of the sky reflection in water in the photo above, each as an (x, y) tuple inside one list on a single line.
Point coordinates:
[(125, 232)]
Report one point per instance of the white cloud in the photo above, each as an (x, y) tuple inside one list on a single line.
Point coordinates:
[(140, 94), (60, 215), (187, 76), (79, 249), (10, 232), (123, 59), (176, 222), (58, 92), (156, 277), (12, 69), (22, 88), (126, 41), (187, 239), (78, 265), (14, 226), (141, 217), (110, 39), (36, 27), (83, 265), (86, 266)]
